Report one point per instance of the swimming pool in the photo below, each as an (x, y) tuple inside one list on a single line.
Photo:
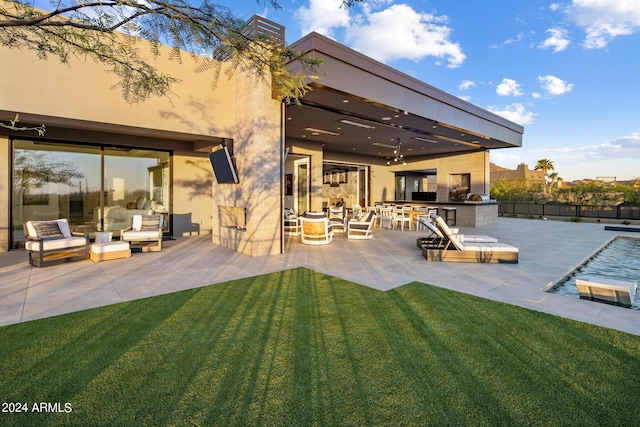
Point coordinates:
[(620, 259)]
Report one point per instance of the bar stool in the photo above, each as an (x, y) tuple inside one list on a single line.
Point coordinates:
[(450, 213)]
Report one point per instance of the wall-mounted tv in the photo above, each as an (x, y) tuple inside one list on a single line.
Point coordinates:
[(223, 166)]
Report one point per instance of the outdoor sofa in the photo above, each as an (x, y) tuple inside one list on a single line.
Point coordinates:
[(52, 242)]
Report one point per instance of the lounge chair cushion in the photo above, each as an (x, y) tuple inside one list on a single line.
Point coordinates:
[(488, 247), (133, 235), (54, 244)]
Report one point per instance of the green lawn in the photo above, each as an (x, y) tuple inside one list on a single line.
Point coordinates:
[(299, 348)]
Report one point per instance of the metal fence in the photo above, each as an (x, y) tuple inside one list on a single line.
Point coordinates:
[(575, 211)]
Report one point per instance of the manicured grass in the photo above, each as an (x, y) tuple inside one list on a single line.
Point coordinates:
[(300, 348)]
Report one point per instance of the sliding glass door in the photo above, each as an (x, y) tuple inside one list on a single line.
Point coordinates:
[(96, 188)]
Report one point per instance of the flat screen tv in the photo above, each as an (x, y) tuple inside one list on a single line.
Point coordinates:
[(223, 166)]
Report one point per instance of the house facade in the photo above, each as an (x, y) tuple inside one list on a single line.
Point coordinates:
[(366, 133)]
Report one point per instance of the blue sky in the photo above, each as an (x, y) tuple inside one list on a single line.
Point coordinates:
[(568, 71)]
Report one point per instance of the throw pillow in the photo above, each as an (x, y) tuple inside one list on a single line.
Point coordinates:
[(49, 229), (150, 223)]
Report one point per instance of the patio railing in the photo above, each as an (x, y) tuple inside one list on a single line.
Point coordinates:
[(576, 211)]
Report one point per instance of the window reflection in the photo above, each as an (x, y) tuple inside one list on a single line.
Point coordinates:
[(56, 180)]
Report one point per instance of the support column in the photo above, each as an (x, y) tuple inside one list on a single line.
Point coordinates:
[(254, 203)]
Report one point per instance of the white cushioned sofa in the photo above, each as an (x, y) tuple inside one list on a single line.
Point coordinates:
[(51, 242)]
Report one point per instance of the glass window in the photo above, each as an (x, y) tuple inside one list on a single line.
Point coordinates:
[(95, 188)]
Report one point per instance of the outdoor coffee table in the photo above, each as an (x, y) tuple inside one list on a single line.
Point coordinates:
[(111, 250)]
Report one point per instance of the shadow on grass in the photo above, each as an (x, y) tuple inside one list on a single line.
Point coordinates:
[(302, 348)]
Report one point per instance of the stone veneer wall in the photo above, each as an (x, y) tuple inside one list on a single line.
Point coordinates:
[(347, 191), (258, 151)]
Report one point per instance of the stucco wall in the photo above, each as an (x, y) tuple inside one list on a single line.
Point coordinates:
[(192, 186), (85, 91)]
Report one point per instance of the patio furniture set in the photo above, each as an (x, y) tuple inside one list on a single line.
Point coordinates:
[(52, 242)]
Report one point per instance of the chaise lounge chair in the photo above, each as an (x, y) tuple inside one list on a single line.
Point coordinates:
[(437, 232), (453, 250)]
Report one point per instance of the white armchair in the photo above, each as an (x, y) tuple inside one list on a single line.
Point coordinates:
[(338, 218), (315, 229), (362, 228), (145, 232)]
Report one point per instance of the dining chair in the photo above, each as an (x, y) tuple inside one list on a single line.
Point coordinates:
[(386, 216), (400, 217)]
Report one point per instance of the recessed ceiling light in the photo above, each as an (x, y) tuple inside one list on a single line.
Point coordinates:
[(345, 101), (386, 118), (326, 132), (382, 144), (352, 123), (419, 138)]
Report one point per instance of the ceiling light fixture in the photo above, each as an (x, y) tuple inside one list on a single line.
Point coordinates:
[(361, 125), (382, 144), (326, 132), (399, 157), (419, 138)]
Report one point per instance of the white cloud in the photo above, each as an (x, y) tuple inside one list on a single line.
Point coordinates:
[(554, 6), (515, 112), (401, 32), (554, 86), (558, 40), (466, 84), (603, 20), (384, 33), (323, 17), (508, 87)]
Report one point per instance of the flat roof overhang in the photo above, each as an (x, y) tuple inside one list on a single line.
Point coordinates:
[(109, 133), (363, 107)]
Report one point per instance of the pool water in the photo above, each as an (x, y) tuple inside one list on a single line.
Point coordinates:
[(620, 260)]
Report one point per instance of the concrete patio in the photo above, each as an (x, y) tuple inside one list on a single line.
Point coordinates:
[(548, 251)]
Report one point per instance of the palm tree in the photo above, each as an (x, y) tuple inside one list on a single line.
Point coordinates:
[(545, 165), (553, 178)]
